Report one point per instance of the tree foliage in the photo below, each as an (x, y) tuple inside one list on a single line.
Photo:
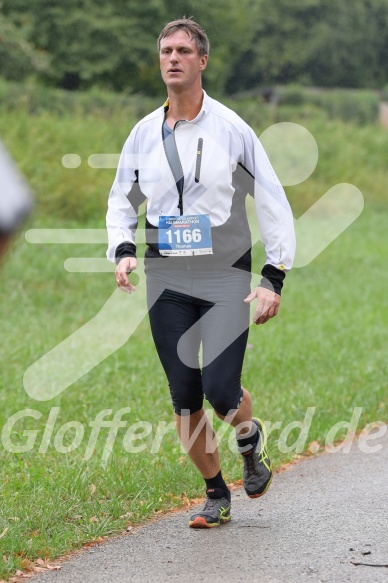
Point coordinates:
[(318, 42), (18, 56), (84, 43)]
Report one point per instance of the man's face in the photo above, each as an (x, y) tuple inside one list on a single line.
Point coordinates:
[(180, 63)]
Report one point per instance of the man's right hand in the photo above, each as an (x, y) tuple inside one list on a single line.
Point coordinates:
[(125, 266)]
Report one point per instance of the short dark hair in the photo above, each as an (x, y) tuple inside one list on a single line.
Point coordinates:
[(192, 28)]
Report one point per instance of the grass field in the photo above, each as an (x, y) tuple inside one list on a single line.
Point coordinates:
[(326, 349)]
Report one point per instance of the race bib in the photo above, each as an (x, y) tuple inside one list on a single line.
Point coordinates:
[(185, 235)]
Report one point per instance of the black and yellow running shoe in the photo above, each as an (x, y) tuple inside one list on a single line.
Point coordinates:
[(257, 475), (214, 512)]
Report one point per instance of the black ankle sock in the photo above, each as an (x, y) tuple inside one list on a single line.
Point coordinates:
[(252, 439), (216, 487)]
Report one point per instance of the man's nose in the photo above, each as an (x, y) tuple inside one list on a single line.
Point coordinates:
[(174, 57)]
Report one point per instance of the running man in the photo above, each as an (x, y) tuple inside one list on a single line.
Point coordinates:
[(194, 161)]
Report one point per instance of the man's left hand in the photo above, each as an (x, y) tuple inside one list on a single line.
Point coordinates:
[(267, 304)]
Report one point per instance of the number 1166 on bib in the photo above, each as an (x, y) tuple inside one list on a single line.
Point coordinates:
[(185, 235)]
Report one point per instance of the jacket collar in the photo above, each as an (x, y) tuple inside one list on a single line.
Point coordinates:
[(206, 104)]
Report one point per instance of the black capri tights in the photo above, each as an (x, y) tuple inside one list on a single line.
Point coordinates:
[(187, 310)]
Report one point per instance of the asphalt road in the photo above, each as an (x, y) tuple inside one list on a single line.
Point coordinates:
[(318, 518)]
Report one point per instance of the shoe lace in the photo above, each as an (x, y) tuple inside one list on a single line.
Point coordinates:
[(211, 503), (250, 461)]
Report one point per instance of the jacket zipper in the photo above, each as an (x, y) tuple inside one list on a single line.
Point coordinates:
[(199, 159), (182, 180)]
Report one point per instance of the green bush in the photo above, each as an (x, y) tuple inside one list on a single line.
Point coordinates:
[(34, 98), (292, 95), (359, 106), (253, 110)]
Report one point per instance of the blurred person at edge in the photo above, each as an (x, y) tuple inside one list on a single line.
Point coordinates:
[(16, 200)]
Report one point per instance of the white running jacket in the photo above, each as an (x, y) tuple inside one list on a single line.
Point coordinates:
[(229, 164)]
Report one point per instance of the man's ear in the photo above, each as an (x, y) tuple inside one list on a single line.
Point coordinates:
[(203, 62)]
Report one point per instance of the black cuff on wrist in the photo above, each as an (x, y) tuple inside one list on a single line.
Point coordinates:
[(272, 278), (123, 250)]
